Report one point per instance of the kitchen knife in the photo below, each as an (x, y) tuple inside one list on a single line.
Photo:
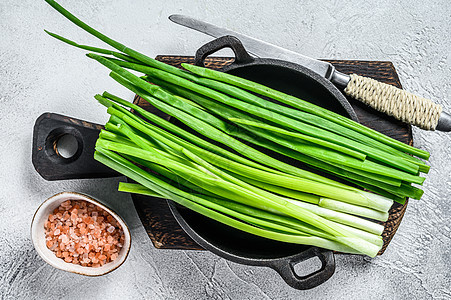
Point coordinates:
[(388, 99)]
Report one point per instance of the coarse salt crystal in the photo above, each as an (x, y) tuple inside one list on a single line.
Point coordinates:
[(102, 257), (54, 246), (64, 239)]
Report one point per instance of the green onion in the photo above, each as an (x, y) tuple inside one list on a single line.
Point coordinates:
[(349, 239), (116, 163), (219, 170), (367, 165), (213, 133), (304, 106), (285, 121), (119, 46), (372, 238), (305, 117), (228, 112), (176, 130), (352, 196), (93, 49), (353, 209), (345, 219)]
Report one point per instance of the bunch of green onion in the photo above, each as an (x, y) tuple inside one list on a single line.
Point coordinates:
[(219, 171)]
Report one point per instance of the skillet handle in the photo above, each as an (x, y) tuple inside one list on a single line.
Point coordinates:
[(51, 165), (285, 268), (228, 41)]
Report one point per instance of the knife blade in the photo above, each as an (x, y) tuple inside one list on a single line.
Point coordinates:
[(261, 48), (383, 97)]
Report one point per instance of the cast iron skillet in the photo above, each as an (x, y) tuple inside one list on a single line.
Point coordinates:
[(222, 240), (242, 247)]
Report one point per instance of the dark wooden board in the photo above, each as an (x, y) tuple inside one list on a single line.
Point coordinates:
[(164, 230)]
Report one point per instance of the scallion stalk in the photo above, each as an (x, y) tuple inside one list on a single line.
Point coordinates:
[(304, 106)]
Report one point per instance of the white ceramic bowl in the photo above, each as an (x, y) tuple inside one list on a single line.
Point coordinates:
[(38, 236)]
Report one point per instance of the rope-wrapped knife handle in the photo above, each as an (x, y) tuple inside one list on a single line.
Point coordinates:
[(395, 102)]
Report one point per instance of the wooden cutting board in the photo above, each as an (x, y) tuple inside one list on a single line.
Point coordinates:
[(155, 215)]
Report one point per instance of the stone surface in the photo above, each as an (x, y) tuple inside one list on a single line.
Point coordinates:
[(39, 74)]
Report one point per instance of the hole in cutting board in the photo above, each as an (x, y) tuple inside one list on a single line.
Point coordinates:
[(308, 266), (63, 145), (66, 146)]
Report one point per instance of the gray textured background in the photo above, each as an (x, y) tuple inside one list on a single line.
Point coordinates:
[(39, 74)]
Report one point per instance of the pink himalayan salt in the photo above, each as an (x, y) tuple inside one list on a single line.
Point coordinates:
[(82, 233)]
